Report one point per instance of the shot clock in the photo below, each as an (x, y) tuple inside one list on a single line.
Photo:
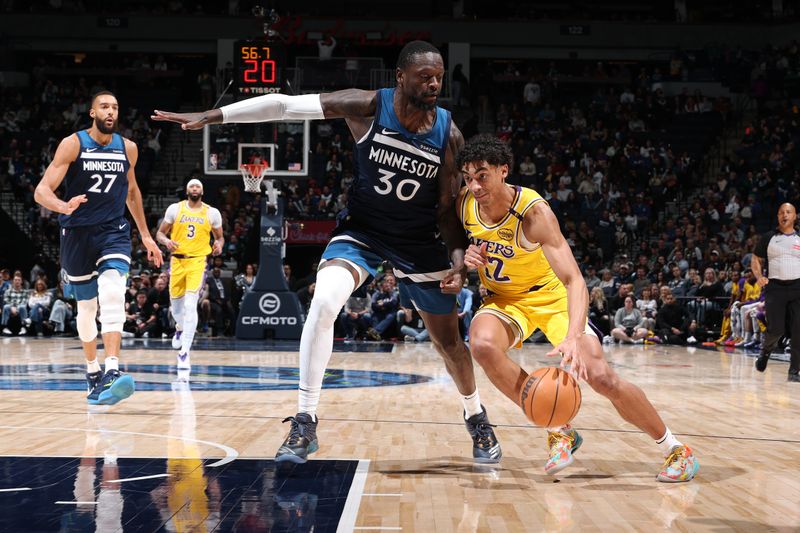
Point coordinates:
[(258, 67)]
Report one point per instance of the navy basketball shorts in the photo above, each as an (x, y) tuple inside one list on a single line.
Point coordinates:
[(87, 251), (420, 267)]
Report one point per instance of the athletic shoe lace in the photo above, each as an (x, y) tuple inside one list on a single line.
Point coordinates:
[(677, 452), (484, 436), (296, 432), (555, 437)]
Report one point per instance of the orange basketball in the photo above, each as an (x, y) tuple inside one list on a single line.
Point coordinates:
[(550, 397)]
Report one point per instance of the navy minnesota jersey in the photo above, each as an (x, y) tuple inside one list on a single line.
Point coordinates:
[(101, 173), (396, 189)]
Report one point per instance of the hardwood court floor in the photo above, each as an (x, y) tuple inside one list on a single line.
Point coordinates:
[(416, 473)]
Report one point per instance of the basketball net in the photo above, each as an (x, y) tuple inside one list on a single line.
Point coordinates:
[(252, 174)]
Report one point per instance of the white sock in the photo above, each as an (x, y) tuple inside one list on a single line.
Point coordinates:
[(667, 442), (92, 366), (189, 321), (334, 286), (748, 336), (472, 404), (111, 363)]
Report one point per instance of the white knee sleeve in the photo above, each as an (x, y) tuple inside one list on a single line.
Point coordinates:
[(189, 321), (87, 319), (176, 308), (111, 297)]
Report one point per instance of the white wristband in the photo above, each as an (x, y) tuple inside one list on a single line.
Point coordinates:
[(274, 107)]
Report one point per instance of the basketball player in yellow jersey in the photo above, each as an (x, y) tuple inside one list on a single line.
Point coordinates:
[(534, 282), (189, 225)]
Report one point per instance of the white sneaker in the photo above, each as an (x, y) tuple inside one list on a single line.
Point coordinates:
[(608, 339), (7, 331), (176, 340), (691, 340), (183, 361), (638, 341), (23, 331)]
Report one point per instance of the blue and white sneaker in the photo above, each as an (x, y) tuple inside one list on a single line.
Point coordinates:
[(92, 380), (112, 389)]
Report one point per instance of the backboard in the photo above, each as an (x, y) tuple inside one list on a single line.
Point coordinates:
[(284, 145)]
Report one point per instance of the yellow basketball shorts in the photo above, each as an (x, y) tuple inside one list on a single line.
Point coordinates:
[(186, 275), (545, 309)]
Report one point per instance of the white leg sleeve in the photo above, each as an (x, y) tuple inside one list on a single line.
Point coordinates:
[(176, 308), (189, 321), (334, 286), (111, 297), (87, 319)]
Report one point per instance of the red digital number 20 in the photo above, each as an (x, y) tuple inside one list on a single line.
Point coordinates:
[(267, 71)]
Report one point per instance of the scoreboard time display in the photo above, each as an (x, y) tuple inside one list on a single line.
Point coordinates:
[(258, 67)]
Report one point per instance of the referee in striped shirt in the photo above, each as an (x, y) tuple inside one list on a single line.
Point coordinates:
[(781, 249)]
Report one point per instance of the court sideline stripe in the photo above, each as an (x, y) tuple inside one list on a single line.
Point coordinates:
[(347, 521)]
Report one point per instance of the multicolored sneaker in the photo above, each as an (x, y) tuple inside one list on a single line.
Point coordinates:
[(112, 389), (485, 448), (562, 445), (681, 465)]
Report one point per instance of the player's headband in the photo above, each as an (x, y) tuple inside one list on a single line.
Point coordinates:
[(194, 181)]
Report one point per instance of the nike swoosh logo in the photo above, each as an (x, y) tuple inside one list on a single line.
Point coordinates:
[(470, 224), (389, 132), (122, 226), (91, 149)]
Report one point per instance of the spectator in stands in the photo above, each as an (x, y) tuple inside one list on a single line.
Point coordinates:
[(648, 307), (159, 298), (62, 312), (464, 303), (140, 317), (591, 278), (384, 306), (216, 305), (15, 306), (599, 313), (356, 318), (305, 295), (244, 281), (673, 325), (707, 298), (39, 303), (628, 325)]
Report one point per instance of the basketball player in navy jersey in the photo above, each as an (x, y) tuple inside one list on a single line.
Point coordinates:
[(97, 167), (400, 203)]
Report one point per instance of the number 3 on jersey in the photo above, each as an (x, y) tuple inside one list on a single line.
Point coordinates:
[(99, 182), (402, 186)]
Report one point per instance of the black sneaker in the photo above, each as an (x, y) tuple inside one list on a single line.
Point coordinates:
[(301, 441), (794, 377), (92, 380), (113, 388), (761, 362), (485, 448)]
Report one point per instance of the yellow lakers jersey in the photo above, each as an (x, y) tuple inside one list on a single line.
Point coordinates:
[(751, 292), (192, 231), (515, 265)]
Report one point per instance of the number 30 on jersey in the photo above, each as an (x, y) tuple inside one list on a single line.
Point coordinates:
[(405, 189)]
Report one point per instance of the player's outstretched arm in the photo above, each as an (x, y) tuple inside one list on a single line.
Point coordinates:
[(136, 207), (45, 192), (541, 225), (270, 107)]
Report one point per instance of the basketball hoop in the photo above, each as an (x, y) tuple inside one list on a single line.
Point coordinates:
[(252, 174)]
